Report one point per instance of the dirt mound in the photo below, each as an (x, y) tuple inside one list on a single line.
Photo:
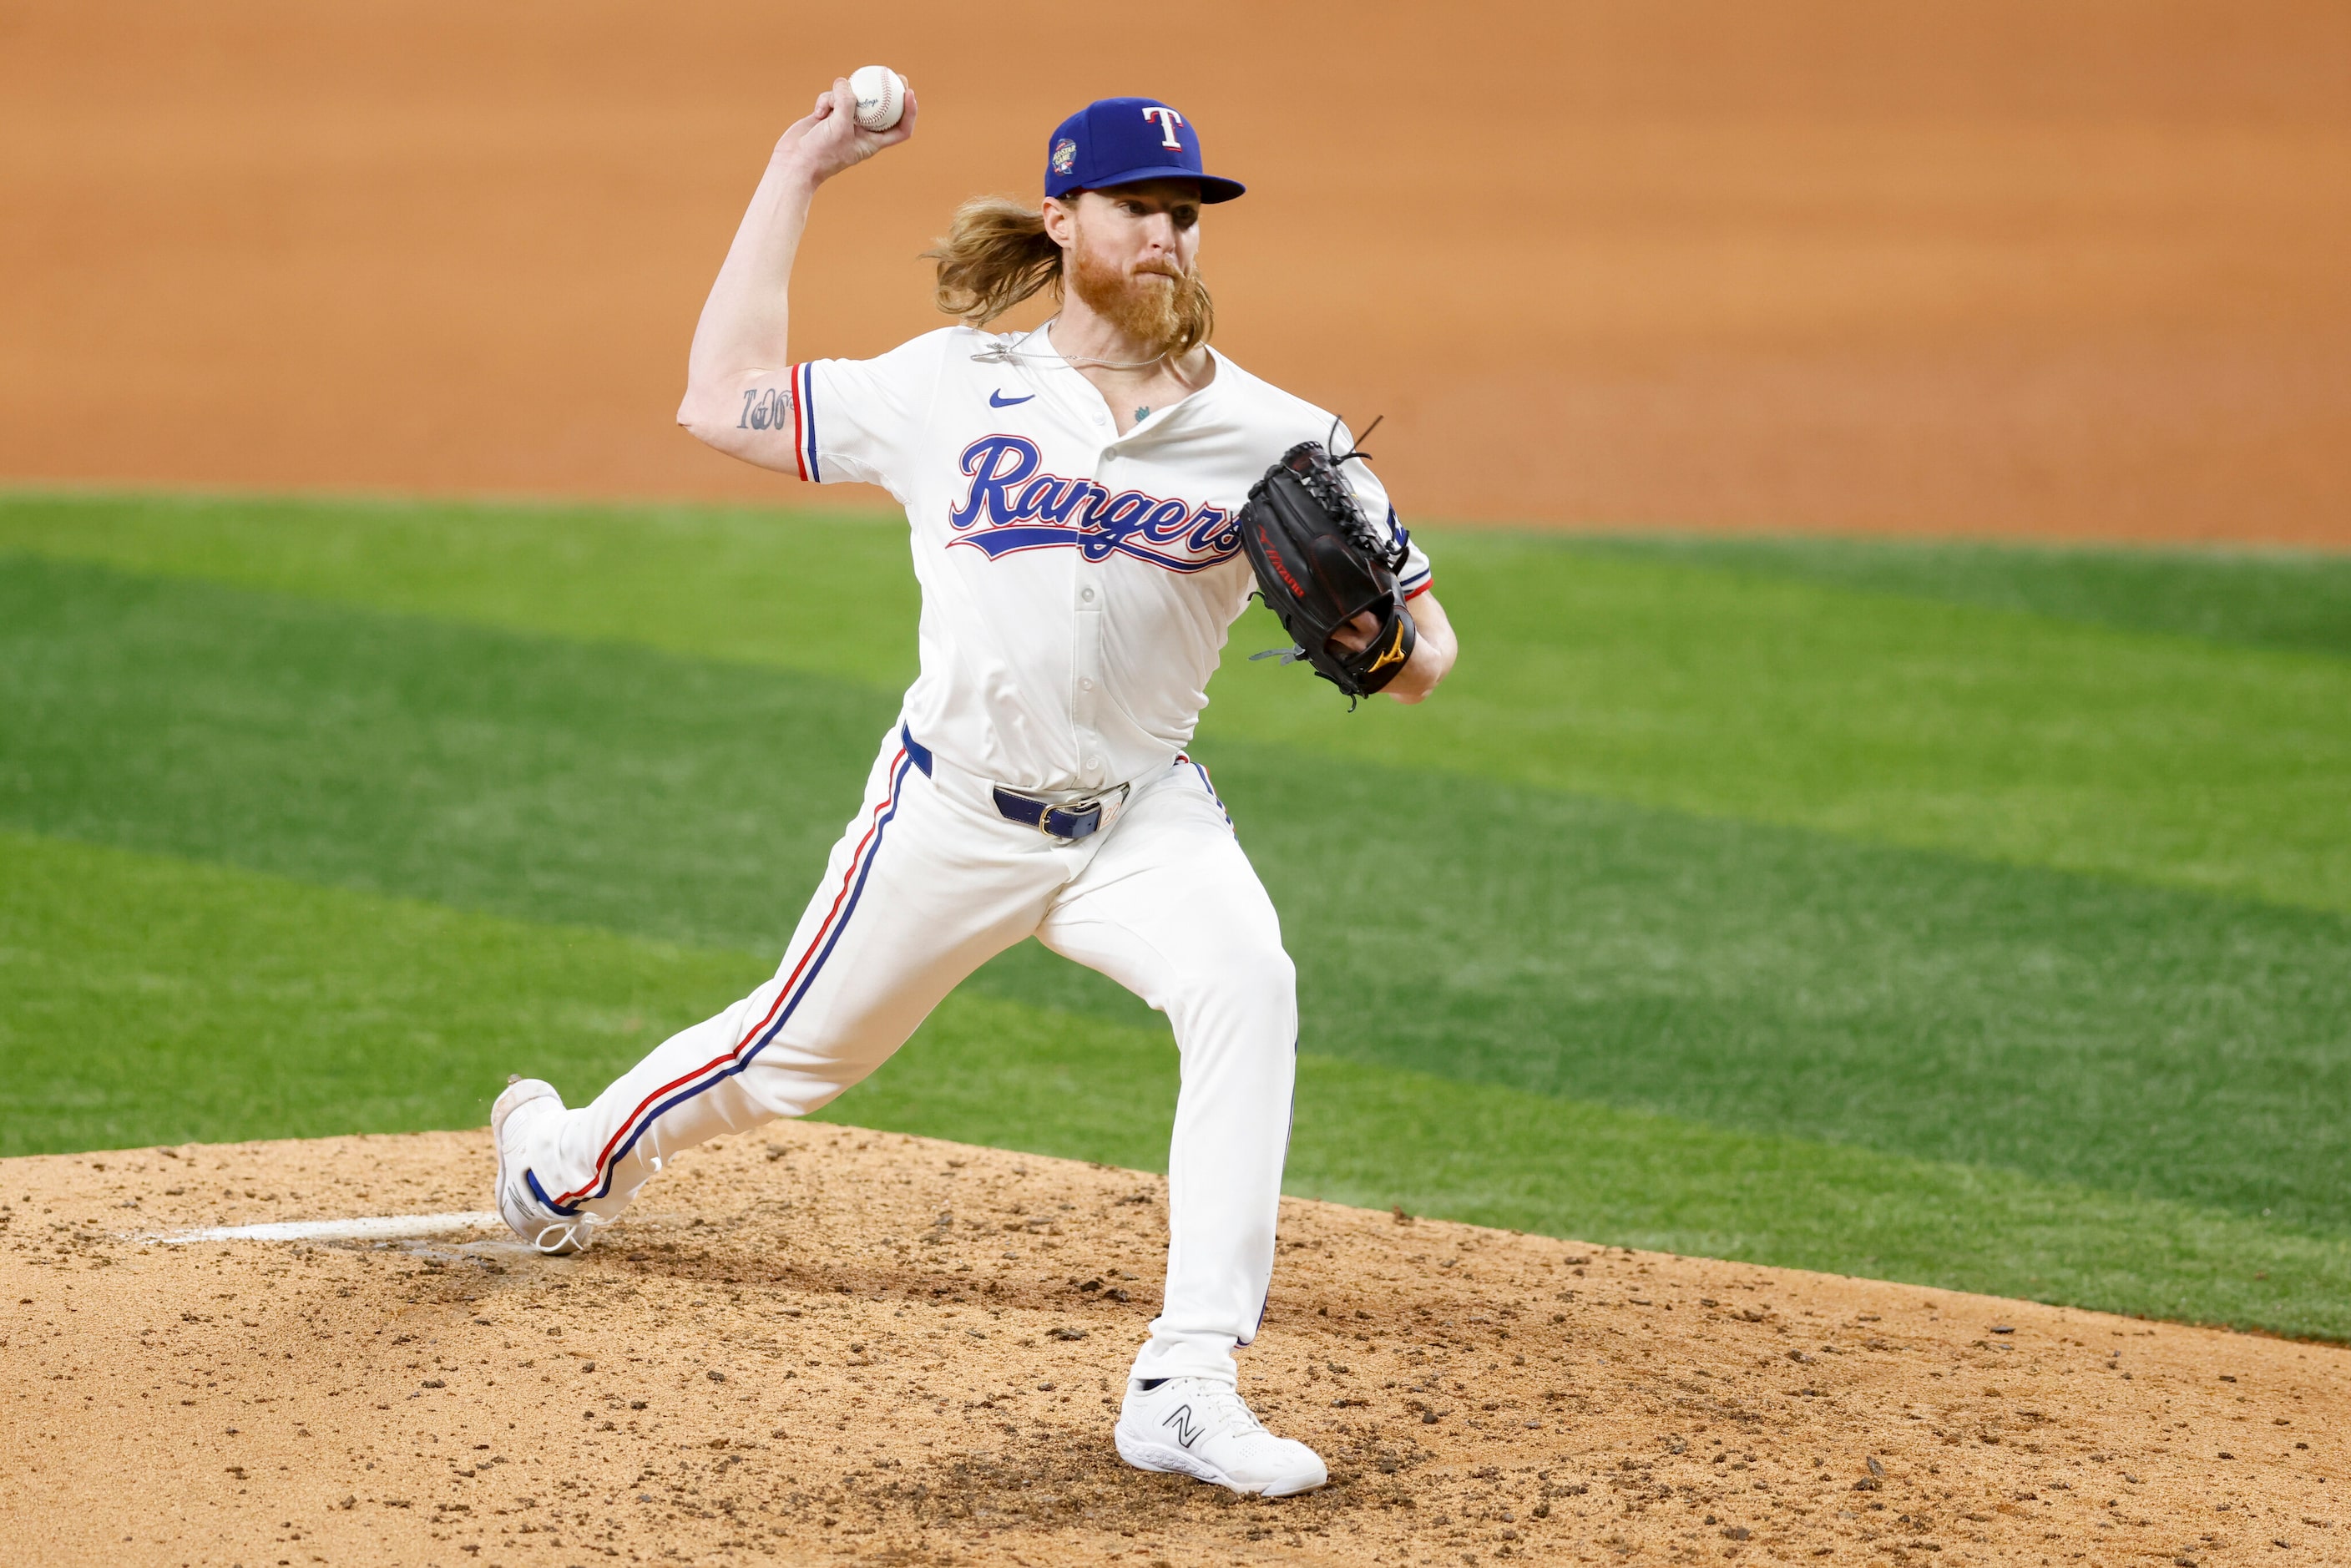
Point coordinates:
[(825, 1343), (1993, 266)]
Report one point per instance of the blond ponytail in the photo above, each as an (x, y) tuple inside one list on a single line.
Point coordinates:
[(995, 254)]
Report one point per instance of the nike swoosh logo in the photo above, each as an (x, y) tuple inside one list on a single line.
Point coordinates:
[(997, 400)]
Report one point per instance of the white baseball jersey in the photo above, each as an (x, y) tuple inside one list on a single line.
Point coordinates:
[(1077, 589), (1078, 584)]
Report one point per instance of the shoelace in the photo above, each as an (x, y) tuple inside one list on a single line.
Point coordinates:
[(1224, 1409), (576, 1232)]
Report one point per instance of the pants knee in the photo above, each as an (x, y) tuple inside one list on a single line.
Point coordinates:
[(1245, 993), (1269, 978)]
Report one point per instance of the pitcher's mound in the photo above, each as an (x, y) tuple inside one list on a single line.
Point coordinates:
[(819, 1342)]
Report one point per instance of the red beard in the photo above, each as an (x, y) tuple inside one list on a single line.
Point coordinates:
[(1154, 307)]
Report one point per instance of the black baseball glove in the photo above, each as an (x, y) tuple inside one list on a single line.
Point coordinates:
[(1321, 563)]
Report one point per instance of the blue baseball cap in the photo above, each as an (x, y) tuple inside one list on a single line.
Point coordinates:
[(1122, 140)]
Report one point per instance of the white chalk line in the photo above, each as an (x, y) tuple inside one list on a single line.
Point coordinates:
[(381, 1226)]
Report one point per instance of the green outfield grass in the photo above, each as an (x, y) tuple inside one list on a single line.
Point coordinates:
[(232, 1004), (1969, 915), (2263, 598)]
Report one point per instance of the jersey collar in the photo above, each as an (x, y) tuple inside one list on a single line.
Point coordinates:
[(1080, 395)]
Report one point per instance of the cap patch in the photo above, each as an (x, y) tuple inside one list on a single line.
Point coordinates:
[(1065, 155)]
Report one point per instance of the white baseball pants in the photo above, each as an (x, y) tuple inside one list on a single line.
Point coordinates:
[(928, 882)]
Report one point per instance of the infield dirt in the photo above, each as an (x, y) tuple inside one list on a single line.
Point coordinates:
[(1989, 266), (819, 1343)]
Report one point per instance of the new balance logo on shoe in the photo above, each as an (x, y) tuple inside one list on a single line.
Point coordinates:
[(1187, 1433)]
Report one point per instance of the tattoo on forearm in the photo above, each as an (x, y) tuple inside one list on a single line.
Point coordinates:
[(766, 408)]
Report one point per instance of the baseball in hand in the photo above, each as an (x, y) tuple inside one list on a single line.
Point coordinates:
[(881, 95)]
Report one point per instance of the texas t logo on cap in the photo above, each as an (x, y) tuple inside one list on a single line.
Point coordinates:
[(1124, 141), (1168, 121)]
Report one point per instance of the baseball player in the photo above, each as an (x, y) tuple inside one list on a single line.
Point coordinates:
[(1073, 495)]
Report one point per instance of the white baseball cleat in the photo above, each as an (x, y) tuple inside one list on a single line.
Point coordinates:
[(528, 1217), (1200, 1427)]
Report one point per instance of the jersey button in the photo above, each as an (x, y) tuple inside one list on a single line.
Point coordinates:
[(1088, 682), (1088, 595)]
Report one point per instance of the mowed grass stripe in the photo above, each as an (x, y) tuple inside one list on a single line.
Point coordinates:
[(597, 785), (145, 1000), (2076, 1029), (829, 593), (1867, 716), (1817, 699), (706, 578), (2263, 598), (150, 999)]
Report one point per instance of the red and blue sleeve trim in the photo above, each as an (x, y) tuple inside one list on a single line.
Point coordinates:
[(803, 378), (1417, 583)]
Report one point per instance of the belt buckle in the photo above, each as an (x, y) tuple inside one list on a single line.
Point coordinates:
[(1046, 809), (1074, 809)]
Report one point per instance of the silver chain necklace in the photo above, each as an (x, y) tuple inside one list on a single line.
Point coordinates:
[(1006, 353)]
